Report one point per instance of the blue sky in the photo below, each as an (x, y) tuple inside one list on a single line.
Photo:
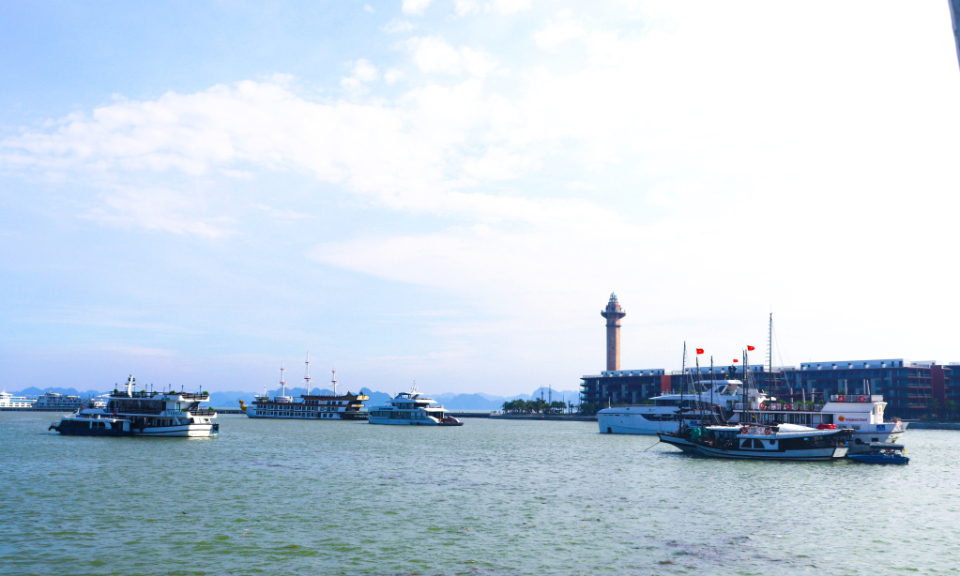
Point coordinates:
[(448, 191)]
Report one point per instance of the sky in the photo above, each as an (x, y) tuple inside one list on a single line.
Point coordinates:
[(448, 191)]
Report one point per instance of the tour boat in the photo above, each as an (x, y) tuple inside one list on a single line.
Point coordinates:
[(143, 413), (307, 407), (783, 442), (412, 408)]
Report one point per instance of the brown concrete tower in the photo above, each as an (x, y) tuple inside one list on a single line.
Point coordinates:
[(613, 313)]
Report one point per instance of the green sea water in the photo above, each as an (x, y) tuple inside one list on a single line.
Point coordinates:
[(492, 497)]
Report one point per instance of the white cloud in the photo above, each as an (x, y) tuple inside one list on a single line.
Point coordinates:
[(702, 145), (393, 76), (508, 6), (466, 7), (397, 25), (434, 55), (159, 209), (563, 28), (415, 6), (368, 8)]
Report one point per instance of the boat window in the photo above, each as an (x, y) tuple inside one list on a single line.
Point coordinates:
[(773, 442), (758, 444)]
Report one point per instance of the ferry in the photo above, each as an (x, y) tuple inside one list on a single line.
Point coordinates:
[(8, 400), (782, 442), (143, 413), (307, 407), (412, 408)]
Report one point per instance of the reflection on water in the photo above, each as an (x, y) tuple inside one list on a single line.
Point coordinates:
[(491, 497)]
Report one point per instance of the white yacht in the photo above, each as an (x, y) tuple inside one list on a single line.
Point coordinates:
[(412, 408), (307, 407), (663, 415), (133, 413), (8, 400)]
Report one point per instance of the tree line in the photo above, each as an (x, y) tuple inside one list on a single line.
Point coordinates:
[(537, 406)]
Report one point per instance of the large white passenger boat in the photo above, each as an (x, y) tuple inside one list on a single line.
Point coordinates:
[(8, 400), (307, 407), (412, 408), (143, 413)]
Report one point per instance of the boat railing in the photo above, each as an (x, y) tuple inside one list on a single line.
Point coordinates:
[(782, 407), (202, 412), (857, 398)]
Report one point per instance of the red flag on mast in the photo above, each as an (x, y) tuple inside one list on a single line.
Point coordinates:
[(699, 350), (735, 360), (749, 347)]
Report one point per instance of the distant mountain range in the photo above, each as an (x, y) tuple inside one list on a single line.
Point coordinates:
[(466, 402)]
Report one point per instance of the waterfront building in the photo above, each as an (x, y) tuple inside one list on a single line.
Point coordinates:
[(911, 388), (8, 400)]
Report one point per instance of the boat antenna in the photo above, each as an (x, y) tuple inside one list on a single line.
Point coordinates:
[(334, 380), (306, 374), (283, 384), (770, 347), (683, 375), (713, 384)]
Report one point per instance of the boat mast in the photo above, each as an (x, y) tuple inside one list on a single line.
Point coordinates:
[(683, 376), (334, 380), (306, 375), (713, 384), (770, 346), (283, 384)]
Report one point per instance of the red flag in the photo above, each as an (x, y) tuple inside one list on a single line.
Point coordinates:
[(735, 360), (749, 347), (699, 350)]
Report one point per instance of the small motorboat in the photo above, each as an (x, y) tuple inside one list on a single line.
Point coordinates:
[(882, 453)]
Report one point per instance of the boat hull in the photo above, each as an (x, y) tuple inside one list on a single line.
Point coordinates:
[(878, 459), (805, 455), (683, 444)]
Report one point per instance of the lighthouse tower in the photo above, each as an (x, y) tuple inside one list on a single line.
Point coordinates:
[(613, 313)]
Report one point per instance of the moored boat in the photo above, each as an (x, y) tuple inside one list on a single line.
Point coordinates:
[(142, 413), (882, 453), (783, 442), (412, 408), (307, 407)]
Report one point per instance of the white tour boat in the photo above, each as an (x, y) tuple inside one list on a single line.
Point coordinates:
[(307, 407), (133, 413), (412, 408)]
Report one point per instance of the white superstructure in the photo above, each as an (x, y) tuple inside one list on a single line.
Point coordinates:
[(412, 408), (53, 400), (8, 400), (663, 412)]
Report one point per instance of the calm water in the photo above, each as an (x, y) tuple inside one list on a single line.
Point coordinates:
[(492, 497)]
